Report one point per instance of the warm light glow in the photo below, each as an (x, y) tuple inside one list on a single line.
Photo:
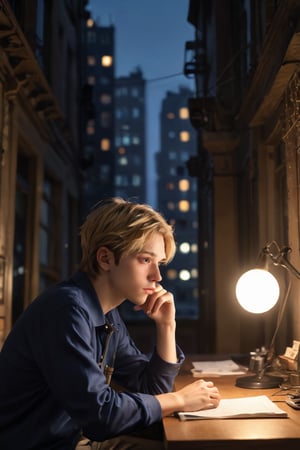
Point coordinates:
[(184, 247), (257, 291), (184, 113), (106, 60), (105, 145), (184, 275), (184, 136), (184, 205), (184, 185)]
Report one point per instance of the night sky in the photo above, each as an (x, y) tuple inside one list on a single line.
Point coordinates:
[(150, 34)]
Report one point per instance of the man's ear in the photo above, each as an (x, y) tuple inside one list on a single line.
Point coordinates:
[(104, 258)]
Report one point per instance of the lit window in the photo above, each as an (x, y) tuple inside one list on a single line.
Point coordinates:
[(105, 99), (136, 180), (126, 140), (194, 273), (184, 275), (106, 60), (105, 145), (184, 136), (90, 127), (194, 248), (170, 186), (171, 206), (171, 115), (184, 185), (184, 113), (184, 206), (171, 274), (91, 80), (136, 140), (121, 150), (184, 247), (123, 161), (135, 112), (89, 23), (91, 60)]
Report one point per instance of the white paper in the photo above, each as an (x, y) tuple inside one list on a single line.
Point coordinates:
[(224, 367), (245, 407)]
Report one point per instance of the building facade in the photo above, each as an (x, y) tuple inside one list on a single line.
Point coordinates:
[(40, 148), (130, 137), (98, 125), (177, 199), (245, 60)]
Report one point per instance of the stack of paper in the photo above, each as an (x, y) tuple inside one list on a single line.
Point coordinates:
[(216, 368), (238, 408)]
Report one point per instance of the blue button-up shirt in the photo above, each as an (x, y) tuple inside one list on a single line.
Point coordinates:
[(52, 383)]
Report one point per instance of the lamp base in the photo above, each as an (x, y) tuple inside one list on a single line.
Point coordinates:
[(257, 382)]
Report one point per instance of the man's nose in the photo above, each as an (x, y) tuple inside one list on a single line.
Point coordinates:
[(155, 274)]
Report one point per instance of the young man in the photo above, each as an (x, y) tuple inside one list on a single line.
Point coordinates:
[(57, 363)]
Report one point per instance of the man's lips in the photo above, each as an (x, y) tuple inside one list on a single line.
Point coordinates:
[(149, 291)]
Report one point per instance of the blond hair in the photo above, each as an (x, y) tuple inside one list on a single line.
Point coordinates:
[(123, 227)]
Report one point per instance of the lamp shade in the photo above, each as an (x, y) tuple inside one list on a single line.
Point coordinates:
[(257, 291)]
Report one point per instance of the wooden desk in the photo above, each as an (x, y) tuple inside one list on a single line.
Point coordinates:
[(235, 434)]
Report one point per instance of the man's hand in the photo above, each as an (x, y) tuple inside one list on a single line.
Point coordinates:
[(159, 306), (195, 396)]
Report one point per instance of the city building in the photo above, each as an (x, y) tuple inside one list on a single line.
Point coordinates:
[(40, 148), (130, 139), (177, 199), (245, 62), (98, 125)]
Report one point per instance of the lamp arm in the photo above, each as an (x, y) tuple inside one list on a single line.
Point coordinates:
[(281, 259)]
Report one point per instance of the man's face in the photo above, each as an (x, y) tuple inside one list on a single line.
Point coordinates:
[(135, 277)]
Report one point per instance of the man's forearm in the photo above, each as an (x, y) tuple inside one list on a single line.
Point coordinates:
[(166, 341)]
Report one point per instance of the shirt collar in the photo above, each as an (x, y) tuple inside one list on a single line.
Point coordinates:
[(90, 298)]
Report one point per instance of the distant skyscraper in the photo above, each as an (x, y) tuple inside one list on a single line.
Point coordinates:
[(177, 199), (130, 176), (98, 133)]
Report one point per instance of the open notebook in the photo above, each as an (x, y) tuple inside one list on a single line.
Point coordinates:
[(245, 407)]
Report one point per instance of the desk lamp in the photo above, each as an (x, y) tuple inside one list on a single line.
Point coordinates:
[(257, 291)]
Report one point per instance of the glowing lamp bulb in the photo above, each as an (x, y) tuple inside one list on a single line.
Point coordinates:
[(257, 291)]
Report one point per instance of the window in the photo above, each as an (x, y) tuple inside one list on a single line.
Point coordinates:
[(135, 92), (184, 247), (135, 113), (91, 35), (184, 206), (106, 60), (91, 60), (136, 140), (184, 136), (90, 127), (184, 275), (184, 113), (136, 180), (123, 161), (49, 232), (105, 144), (171, 115), (105, 119), (90, 23), (91, 80), (105, 99), (184, 185)]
